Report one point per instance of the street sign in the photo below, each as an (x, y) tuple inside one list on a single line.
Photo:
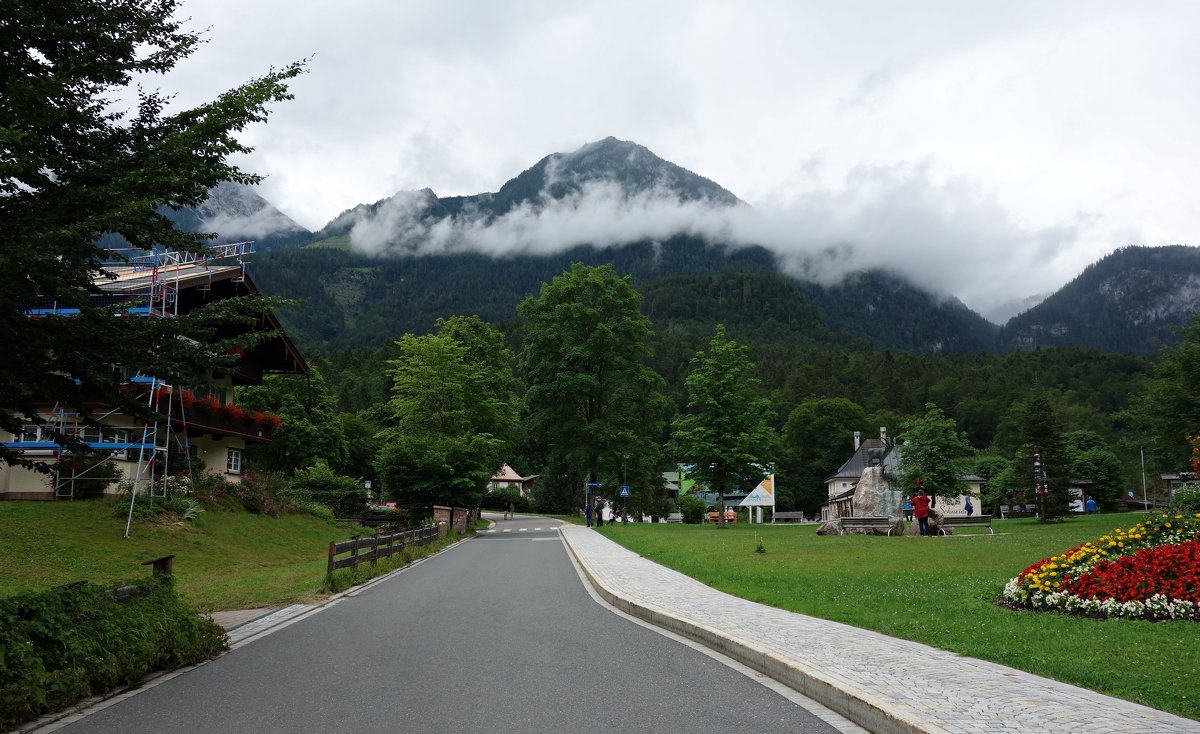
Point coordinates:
[(624, 491), (594, 484)]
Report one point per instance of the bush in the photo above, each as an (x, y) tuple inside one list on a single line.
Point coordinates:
[(70, 642), (1187, 498), (262, 493), (693, 509), (498, 499), (89, 472), (177, 502), (346, 496)]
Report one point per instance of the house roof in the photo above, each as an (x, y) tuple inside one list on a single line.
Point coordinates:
[(507, 474), (191, 284), (860, 459)]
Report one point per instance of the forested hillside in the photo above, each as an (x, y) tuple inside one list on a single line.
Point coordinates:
[(1132, 300)]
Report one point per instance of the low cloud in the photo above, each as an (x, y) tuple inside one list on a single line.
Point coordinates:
[(949, 236)]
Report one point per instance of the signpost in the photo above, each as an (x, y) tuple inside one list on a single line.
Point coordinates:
[(624, 490)]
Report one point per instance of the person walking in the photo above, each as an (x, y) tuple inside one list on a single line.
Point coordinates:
[(587, 513), (970, 508), (920, 505), (508, 515)]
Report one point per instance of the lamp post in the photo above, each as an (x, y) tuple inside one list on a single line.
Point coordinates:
[(1145, 503)]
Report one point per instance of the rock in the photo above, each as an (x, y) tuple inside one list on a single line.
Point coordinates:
[(829, 527), (935, 522), (875, 497)]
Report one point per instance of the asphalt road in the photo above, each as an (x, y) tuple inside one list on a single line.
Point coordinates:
[(496, 634)]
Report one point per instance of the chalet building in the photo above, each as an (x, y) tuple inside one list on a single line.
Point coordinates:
[(200, 420), (883, 452), (507, 477)]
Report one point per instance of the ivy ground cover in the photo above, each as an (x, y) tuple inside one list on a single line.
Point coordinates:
[(1150, 571)]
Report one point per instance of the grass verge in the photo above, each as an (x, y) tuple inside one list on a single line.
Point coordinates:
[(223, 559), (942, 592)]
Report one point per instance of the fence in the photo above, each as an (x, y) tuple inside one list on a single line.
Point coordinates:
[(376, 547)]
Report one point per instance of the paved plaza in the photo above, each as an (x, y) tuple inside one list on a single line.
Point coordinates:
[(882, 683)]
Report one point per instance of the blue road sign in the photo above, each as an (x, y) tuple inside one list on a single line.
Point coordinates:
[(624, 491), (594, 484)]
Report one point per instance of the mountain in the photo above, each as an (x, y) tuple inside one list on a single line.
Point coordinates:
[(396, 278), (629, 166), (1129, 301), (416, 257), (237, 213)]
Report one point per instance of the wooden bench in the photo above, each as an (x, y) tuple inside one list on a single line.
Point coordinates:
[(730, 516), (864, 523), (787, 517), (962, 521)]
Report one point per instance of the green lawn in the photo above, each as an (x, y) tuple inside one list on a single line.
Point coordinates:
[(223, 560), (941, 591)]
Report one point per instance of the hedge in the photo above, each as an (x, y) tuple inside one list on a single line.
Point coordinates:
[(70, 642)]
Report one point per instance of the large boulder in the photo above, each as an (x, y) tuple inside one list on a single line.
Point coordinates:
[(875, 497)]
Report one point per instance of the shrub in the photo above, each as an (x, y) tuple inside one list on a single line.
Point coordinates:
[(262, 493), (693, 509), (177, 501), (498, 499), (346, 496), (90, 472), (1187, 498), (314, 508), (74, 641)]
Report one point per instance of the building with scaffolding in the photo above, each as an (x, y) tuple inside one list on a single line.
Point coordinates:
[(200, 422)]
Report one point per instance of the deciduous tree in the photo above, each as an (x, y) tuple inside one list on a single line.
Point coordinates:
[(816, 440), (451, 418), (934, 452), (593, 408), (725, 434)]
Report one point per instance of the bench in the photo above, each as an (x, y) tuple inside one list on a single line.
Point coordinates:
[(787, 517), (730, 516), (675, 517), (864, 523), (962, 521)]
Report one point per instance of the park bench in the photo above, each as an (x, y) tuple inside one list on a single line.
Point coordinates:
[(962, 521), (864, 523), (787, 517), (675, 517), (730, 516)]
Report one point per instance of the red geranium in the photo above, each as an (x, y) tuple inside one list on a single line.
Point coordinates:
[(1170, 570)]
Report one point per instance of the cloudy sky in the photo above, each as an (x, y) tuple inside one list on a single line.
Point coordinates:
[(988, 150)]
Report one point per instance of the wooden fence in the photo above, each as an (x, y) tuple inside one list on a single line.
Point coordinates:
[(372, 548)]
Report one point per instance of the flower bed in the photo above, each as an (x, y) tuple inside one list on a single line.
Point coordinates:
[(1150, 571)]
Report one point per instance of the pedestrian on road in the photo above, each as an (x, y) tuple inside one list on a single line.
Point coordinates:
[(970, 507), (509, 514), (587, 513), (920, 505)]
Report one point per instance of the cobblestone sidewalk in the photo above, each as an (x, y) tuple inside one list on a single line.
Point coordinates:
[(869, 678)]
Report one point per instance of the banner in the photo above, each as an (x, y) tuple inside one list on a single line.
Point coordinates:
[(763, 495)]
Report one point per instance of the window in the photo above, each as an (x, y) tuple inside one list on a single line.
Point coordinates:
[(233, 461)]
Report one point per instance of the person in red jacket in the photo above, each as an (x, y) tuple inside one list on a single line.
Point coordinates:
[(920, 505)]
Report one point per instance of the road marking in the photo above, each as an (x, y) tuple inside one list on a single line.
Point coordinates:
[(508, 530)]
